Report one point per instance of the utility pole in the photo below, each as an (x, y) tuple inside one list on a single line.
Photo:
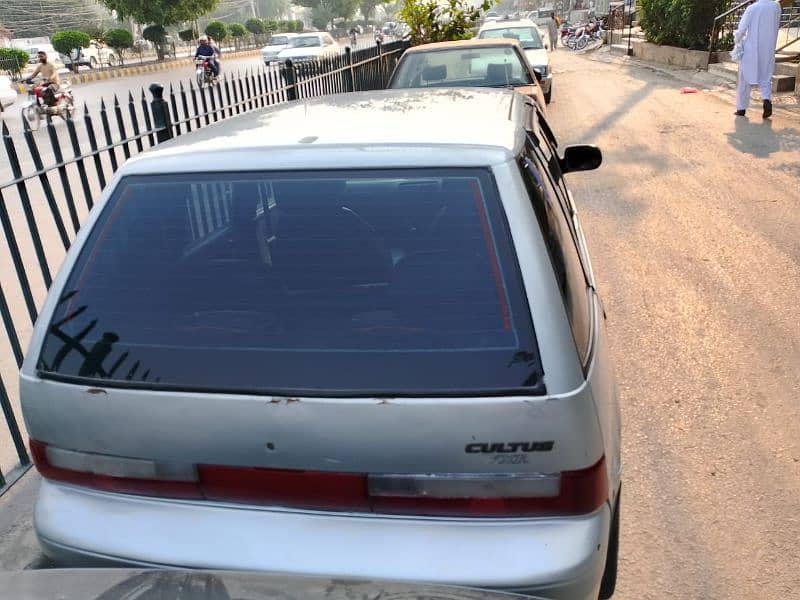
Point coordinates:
[(253, 8)]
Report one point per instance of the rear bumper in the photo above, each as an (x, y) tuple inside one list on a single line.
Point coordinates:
[(554, 557)]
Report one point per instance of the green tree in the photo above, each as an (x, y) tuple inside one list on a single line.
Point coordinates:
[(217, 30), (256, 26), (368, 7), (323, 12), (188, 35), (682, 23), (120, 40), (66, 41), (429, 21), (237, 30), (158, 36), (160, 12), (271, 26), (14, 59)]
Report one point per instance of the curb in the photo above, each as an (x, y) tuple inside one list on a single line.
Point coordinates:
[(123, 72)]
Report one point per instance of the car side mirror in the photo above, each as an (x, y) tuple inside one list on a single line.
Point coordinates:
[(538, 76), (581, 158)]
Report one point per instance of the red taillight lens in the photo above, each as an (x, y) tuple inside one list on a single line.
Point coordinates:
[(467, 495)]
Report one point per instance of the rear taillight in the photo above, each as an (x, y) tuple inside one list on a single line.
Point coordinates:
[(452, 494)]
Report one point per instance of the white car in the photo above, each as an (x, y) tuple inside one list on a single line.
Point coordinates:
[(95, 56), (366, 345), (310, 46), (7, 92), (530, 37), (277, 43)]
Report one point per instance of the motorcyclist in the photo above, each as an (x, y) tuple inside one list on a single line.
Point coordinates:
[(353, 35), (210, 52), (51, 80)]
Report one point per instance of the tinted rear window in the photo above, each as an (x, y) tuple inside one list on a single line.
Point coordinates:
[(400, 282)]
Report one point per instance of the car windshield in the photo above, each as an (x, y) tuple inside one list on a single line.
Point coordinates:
[(497, 66), (304, 42), (528, 37), (279, 40), (299, 283)]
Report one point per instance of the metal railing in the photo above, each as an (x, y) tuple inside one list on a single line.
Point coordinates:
[(43, 205), (725, 25)]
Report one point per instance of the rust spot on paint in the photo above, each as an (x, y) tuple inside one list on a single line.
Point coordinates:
[(96, 391)]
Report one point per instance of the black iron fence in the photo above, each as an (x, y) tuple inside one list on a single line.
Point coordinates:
[(57, 172)]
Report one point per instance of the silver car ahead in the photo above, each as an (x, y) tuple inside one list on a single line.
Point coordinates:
[(370, 351)]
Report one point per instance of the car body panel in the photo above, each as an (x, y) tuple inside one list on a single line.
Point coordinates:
[(527, 555), (8, 95), (128, 584), (270, 52)]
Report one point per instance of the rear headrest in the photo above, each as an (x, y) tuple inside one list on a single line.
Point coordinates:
[(499, 72), (435, 73)]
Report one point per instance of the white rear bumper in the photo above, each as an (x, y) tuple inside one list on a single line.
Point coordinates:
[(555, 557)]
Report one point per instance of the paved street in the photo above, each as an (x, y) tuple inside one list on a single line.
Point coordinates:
[(693, 227)]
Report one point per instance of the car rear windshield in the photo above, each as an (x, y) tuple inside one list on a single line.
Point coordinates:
[(279, 40), (528, 37), (499, 66), (376, 282)]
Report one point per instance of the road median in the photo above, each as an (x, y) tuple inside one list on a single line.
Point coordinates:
[(129, 71)]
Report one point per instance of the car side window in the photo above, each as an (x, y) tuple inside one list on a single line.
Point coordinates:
[(564, 255)]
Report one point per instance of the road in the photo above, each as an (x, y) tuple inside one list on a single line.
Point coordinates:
[(693, 226)]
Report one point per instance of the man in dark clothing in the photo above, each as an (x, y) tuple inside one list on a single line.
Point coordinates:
[(206, 50)]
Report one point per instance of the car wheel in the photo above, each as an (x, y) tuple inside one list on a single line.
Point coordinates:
[(112, 60), (548, 95), (609, 581), (92, 62)]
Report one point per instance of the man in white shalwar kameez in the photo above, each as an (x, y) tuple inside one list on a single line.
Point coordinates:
[(758, 36)]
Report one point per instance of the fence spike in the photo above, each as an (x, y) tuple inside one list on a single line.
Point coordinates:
[(130, 96), (5, 129)]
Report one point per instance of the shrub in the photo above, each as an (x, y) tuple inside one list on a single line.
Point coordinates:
[(155, 33), (237, 30), (271, 26), (187, 35), (120, 40), (682, 23), (296, 26), (66, 41), (431, 21), (256, 26), (217, 30), (13, 60)]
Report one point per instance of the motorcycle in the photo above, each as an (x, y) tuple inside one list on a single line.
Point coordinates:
[(203, 72), (35, 107), (378, 37)]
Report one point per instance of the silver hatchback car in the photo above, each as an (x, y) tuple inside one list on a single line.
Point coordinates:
[(371, 351)]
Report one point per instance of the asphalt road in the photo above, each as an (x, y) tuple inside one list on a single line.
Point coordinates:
[(692, 224)]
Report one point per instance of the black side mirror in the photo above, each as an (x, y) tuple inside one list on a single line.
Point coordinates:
[(581, 158), (538, 76)]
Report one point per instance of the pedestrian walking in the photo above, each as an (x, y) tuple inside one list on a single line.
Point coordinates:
[(757, 36), (552, 31)]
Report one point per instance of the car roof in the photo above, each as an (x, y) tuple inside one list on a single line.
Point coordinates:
[(387, 128), (473, 43), (508, 23)]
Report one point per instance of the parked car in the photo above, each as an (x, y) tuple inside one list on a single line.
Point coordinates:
[(471, 63), (310, 46), (8, 94), (95, 56), (366, 344), (34, 50), (530, 38), (278, 42)]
